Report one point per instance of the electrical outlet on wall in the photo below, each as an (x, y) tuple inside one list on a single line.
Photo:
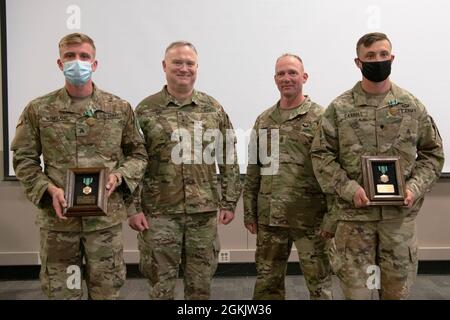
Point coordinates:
[(224, 256)]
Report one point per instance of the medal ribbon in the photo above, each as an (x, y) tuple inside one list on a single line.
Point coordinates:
[(383, 169), (87, 181)]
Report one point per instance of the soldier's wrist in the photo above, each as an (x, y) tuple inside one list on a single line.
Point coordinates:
[(51, 189), (118, 178)]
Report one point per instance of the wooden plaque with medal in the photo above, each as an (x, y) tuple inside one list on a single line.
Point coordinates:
[(383, 180), (85, 192)]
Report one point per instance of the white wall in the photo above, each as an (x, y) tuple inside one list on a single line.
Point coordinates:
[(238, 42)]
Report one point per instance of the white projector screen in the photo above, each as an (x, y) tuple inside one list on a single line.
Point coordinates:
[(238, 42)]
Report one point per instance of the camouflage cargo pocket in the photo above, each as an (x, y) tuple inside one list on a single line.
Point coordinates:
[(120, 270), (413, 257), (216, 251), (265, 187), (335, 255), (110, 132), (44, 277), (54, 139), (145, 257)]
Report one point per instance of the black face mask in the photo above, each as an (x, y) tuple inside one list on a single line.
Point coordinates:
[(376, 71)]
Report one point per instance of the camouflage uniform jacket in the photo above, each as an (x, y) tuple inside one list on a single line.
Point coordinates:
[(190, 185), (354, 126), (67, 139), (291, 197)]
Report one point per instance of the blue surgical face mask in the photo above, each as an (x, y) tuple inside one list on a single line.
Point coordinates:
[(77, 72)]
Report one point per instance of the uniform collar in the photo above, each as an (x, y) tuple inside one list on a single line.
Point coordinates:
[(300, 110), (66, 100), (393, 97), (169, 99)]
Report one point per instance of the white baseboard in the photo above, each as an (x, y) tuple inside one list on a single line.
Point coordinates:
[(236, 256)]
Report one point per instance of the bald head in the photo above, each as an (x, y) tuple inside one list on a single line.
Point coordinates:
[(290, 77)]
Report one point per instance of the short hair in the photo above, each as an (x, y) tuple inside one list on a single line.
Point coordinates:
[(368, 39), (290, 55), (181, 43), (75, 38)]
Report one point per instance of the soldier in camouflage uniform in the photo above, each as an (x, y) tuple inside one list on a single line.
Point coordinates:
[(179, 197), (79, 126), (375, 118), (287, 206)]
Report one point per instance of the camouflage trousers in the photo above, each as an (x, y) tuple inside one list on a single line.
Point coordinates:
[(190, 240), (371, 255), (62, 259), (274, 246)]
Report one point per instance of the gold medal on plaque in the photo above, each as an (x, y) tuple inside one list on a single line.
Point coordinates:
[(384, 177), (86, 192), (383, 180), (87, 189)]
